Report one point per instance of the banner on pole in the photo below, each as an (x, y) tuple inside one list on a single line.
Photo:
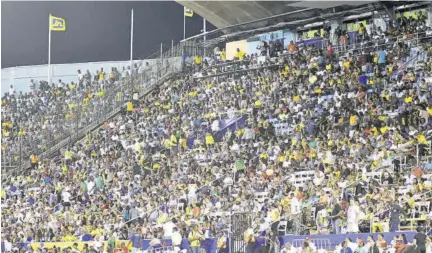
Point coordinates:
[(188, 12), (57, 24)]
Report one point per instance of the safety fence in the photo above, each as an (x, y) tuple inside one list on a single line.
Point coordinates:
[(358, 43)]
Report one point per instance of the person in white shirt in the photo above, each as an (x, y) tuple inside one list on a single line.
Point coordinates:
[(80, 77), (322, 222), (288, 248), (319, 177), (11, 90), (352, 245), (176, 239), (66, 198), (168, 228), (295, 212), (352, 217)]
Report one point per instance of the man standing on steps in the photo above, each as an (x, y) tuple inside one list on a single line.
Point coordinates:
[(395, 211)]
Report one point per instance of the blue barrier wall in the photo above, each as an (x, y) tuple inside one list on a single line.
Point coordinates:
[(210, 244), (337, 239)]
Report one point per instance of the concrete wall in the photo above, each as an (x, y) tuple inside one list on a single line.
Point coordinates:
[(20, 76)]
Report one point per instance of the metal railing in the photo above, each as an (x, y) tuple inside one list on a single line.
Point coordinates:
[(359, 43), (79, 115)]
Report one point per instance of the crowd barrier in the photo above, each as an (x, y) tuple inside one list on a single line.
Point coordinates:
[(35, 246), (210, 244), (321, 241)]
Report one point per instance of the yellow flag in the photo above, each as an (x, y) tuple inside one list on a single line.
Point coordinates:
[(188, 12), (57, 24)]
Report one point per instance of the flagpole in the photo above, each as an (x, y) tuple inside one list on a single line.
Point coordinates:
[(184, 25), (49, 50), (204, 30), (131, 42)]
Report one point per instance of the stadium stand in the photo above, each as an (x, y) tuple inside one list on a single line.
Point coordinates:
[(314, 138), (65, 110)]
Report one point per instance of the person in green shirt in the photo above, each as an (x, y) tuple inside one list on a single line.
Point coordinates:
[(111, 242), (99, 182), (83, 186)]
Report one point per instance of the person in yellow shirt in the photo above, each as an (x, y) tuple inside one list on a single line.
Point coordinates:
[(209, 139), (101, 75), (422, 144), (34, 161), (275, 217), (408, 99), (362, 29), (221, 243), (198, 60), (69, 237), (353, 120), (239, 55), (129, 107), (223, 55), (112, 76), (194, 239)]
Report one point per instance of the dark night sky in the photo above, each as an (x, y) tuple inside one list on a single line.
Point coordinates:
[(96, 31)]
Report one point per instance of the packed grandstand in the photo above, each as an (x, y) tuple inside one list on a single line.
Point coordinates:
[(320, 137)]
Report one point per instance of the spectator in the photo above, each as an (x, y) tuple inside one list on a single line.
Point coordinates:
[(420, 240), (239, 55), (345, 248), (292, 47)]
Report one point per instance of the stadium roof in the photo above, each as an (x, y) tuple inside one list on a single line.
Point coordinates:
[(229, 13), (239, 19)]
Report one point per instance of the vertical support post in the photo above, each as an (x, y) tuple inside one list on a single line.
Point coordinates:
[(49, 50), (205, 31), (131, 52), (184, 26)]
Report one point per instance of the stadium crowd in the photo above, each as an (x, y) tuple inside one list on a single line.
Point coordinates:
[(32, 122), (204, 145)]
